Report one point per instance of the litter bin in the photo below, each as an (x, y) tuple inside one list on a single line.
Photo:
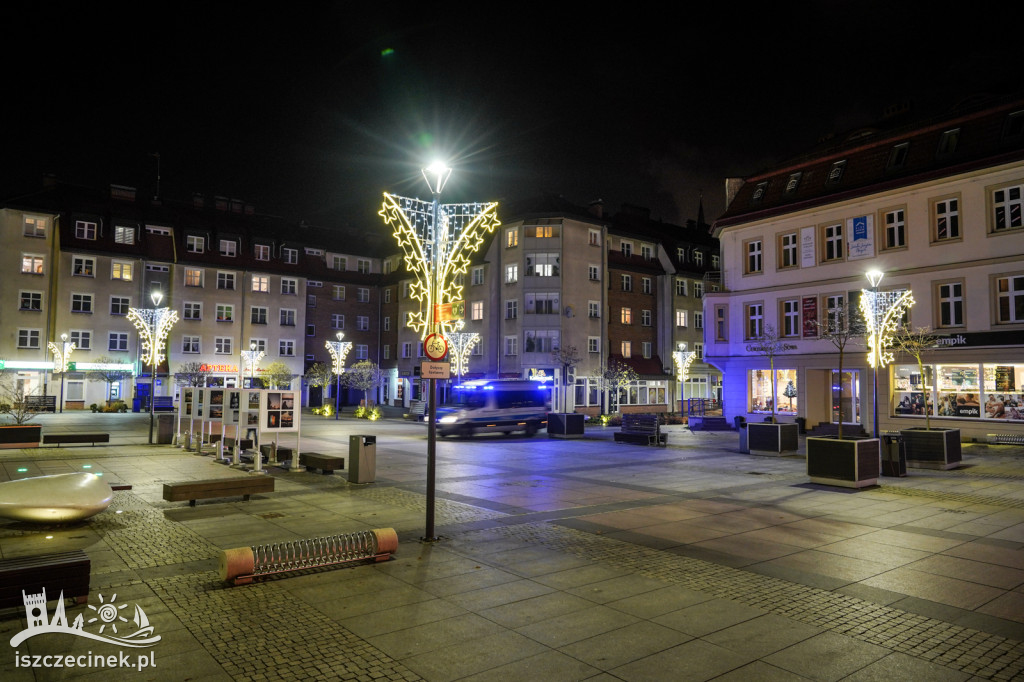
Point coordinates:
[(165, 429), (894, 456), (362, 459), (801, 424), (739, 421)]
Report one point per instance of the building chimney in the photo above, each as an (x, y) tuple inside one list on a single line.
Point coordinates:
[(597, 208)]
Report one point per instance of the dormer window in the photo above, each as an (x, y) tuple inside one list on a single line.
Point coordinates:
[(835, 173), (897, 157), (1014, 126), (759, 192), (793, 182), (947, 143)]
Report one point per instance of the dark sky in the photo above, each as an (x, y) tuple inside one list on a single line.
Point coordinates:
[(311, 112)]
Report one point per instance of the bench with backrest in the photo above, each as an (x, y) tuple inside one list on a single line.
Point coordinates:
[(643, 429), (327, 464), (417, 410), (66, 572), (218, 487), (62, 438), (163, 403)]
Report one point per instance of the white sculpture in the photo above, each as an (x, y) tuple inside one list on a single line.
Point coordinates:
[(54, 499)]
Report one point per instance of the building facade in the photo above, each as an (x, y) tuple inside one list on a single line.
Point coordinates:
[(933, 204)]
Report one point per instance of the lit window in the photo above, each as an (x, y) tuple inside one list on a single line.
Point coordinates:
[(34, 227), (680, 318), (121, 270), (476, 310), (626, 316), (225, 312), (83, 267), (627, 349), (511, 238), (193, 277), (32, 265), (261, 283)]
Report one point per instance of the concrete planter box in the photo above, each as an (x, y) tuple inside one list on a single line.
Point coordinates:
[(847, 463), (772, 439), (20, 436), (565, 425), (932, 448)]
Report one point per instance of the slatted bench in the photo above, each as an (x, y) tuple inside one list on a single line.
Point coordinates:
[(62, 438), (66, 572), (218, 487), (417, 410), (327, 464), (642, 429)]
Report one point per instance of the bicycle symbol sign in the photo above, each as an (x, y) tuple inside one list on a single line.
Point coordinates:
[(435, 346)]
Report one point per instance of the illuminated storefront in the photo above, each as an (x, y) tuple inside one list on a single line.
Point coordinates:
[(991, 391)]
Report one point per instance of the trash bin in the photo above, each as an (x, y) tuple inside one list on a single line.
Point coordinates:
[(801, 424), (739, 421), (362, 459), (894, 456), (165, 429)]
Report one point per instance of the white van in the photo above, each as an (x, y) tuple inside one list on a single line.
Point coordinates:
[(496, 406)]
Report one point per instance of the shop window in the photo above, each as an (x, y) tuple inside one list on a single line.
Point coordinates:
[(785, 391)]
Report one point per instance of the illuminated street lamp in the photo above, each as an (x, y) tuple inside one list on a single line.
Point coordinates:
[(883, 312), (437, 241), (339, 350), (252, 359), (683, 359), (61, 361), (154, 325)]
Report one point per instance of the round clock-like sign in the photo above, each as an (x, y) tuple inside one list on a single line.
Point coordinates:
[(435, 346)]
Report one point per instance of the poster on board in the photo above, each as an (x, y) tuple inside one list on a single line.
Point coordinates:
[(216, 406), (279, 413), (232, 411)]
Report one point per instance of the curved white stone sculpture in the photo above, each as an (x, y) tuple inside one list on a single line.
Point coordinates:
[(54, 499)]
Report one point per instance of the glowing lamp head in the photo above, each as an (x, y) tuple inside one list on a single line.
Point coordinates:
[(875, 277), (63, 337), (436, 175), (157, 296)]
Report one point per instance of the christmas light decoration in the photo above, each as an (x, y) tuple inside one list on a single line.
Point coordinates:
[(460, 346), (883, 312), (461, 231)]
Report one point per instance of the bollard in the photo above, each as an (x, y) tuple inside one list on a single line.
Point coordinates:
[(258, 464), (239, 566)]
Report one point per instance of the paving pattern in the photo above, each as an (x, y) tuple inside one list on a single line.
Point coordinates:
[(559, 561)]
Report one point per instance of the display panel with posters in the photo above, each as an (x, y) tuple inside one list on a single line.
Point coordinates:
[(279, 412), (216, 404), (232, 411), (200, 404)]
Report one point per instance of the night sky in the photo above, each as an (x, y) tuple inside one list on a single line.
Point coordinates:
[(310, 113)]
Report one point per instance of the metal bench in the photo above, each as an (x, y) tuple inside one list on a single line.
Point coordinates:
[(45, 574), (642, 429), (218, 487), (62, 438), (40, 403), (417, 410), (327, 464)]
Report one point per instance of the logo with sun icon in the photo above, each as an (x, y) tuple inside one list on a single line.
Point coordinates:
[(108, 614)]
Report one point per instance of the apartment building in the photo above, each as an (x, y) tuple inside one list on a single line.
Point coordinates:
[(935, 204)]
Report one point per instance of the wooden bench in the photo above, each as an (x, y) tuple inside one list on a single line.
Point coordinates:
[(61, 438), (643, 429), (417, 410), (218, 487), (327, 464), (66, 572), (40, 403)]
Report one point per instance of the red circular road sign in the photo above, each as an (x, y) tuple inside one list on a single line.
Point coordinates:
[(435, 346)]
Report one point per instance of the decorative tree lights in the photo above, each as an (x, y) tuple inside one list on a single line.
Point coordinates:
[(438, 241), (252, 359), (61, 361), (683, 359), (460, 345), (154, 325), (883, 313), (339, 350)]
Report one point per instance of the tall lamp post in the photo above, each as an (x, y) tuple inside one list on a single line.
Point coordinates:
[(682, 359), (62, 362), (437, 241), (154, 325), (883, 312), (339, 350), (252, 359), (461, 345)]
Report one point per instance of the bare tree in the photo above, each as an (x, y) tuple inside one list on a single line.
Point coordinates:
[(192, 374), (12, 403), (363, 376), (770, 344), (914, 342), (617, 376), (108, 376), (567, 357), (842, 327)]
